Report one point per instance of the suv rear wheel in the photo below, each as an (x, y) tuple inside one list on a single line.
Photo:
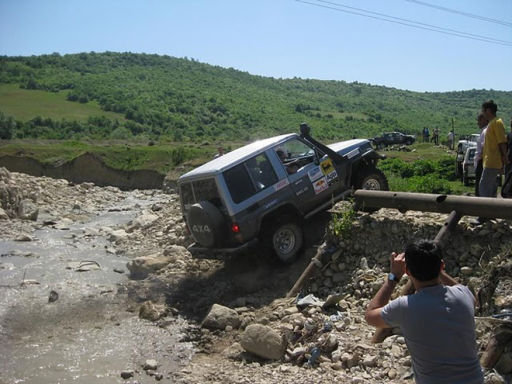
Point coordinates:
[(286, 239)]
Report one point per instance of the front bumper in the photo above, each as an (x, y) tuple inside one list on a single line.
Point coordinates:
[(203, 252)]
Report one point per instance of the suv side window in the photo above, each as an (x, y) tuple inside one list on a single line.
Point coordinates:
[(250, 177)]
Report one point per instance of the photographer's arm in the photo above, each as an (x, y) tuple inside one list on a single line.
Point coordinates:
[(373, 312), (446, 279)]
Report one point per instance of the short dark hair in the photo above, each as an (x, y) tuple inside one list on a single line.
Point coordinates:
[(490, 104), (423, 260)]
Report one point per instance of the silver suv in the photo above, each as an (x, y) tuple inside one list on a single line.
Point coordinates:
[(264, 191)]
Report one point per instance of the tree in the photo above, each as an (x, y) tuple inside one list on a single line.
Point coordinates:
[(7, 126)]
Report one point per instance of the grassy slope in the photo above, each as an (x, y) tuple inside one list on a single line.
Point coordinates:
[(425, 151), (26, 104)]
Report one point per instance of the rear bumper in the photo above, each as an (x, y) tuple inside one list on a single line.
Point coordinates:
[(203, 252)]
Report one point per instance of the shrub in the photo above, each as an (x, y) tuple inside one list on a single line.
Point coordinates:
[(429, 184)]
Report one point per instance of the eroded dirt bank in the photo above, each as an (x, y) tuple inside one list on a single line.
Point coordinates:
[(94, 330), (85, 168)]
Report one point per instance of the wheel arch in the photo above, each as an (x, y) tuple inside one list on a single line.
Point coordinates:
[(282, 211)]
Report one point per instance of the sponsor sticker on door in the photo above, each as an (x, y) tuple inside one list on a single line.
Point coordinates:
[(320, 185), (327, 166), (331, 177), (280, 185), (315, 173)]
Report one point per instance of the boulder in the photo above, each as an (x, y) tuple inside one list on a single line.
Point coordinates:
[(151, 311), (118, 235), (10, 197), (150, 364), (4, 174), (263, 341), (145, 220), (28, 210), (142, 266), (220, 317), (176, 252), (3, 214)]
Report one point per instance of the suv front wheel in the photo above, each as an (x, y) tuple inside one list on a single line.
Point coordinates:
[(372, 178), (286, 239)]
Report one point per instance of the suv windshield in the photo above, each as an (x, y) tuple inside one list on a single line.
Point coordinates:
[(250, 177)]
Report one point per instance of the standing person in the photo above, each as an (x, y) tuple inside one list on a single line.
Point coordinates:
[(220, 152), (494, 150), (451, 139), (482, 124), (435, 136), (427, 134), (437, 321)]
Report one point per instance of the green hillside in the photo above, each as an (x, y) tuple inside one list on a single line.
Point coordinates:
[(27, 104), (161, 97)]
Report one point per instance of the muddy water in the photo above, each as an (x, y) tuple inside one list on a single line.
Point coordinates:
[(86, 335)]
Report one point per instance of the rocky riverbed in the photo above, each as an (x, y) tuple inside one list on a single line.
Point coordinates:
[(97, 286)]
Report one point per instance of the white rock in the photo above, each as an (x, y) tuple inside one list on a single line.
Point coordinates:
[(219, 317), (263, 341), (151, 311), (118, 235), (145, 220), (141, 266), (3, 214), (150, 364), (28, 210), (370, 361)]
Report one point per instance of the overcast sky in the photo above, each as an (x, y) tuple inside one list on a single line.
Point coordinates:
[(284, 38)]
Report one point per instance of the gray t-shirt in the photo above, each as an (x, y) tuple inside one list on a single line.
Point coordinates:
[(439, 329)]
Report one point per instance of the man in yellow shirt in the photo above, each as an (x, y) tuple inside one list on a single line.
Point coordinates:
[(494, 151)]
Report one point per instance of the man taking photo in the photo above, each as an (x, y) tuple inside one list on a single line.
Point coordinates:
[(437, 321)]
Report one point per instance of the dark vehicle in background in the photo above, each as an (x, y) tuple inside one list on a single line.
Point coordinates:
[(264, 191), (392, 138)]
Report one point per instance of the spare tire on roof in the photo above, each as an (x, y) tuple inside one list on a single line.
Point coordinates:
[(206, 223)]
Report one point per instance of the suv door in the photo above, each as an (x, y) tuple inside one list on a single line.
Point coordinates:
[(311, 174)]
